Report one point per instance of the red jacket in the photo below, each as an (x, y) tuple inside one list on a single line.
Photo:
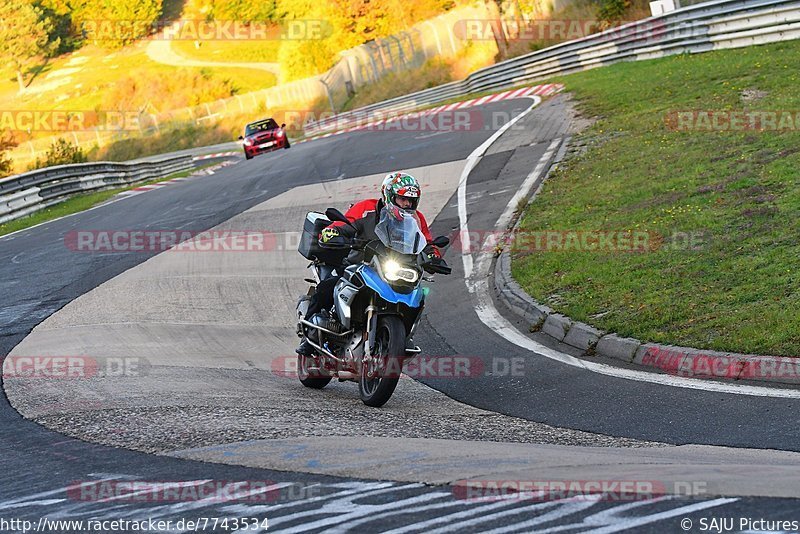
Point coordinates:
[(363, 208)]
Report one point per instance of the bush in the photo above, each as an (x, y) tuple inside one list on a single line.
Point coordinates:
[(61, 152), (165, 142), (612, 11), (241, 10), (143, 90), (6, 165)]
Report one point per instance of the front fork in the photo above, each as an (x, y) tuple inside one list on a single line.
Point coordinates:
[(373, 361)]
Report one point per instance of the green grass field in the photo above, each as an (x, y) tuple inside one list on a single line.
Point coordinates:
[(80, 81), (261, 51), (737, 192)]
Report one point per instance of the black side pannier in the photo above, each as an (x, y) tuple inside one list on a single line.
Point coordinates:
[(309, 242)]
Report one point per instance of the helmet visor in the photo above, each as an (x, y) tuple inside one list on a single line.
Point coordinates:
[(406, 202)]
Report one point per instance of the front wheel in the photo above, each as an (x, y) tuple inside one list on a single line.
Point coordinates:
[(310, 378), (380, 373)]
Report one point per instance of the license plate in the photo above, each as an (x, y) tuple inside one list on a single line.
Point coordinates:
[(266, 145)]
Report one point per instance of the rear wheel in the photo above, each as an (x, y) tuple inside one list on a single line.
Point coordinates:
[(380, 373), (310, 378)]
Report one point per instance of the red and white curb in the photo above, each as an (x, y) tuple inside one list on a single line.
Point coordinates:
[(216, 155), (199, 172), (536, 90)]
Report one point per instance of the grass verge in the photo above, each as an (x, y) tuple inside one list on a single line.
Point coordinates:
[(735, 192), (81, 202)]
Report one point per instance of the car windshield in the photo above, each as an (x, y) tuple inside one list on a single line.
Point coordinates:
[(403, 235), (261, 126)]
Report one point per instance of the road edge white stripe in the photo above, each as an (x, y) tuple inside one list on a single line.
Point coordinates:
[(488, 314)]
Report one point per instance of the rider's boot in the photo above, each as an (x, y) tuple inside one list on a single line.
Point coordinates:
[(305, 348)]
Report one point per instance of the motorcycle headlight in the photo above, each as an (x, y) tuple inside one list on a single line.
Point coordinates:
[(393, 272)]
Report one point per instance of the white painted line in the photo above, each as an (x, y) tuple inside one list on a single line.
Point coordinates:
[(434, 134), (529, 510), (525, 189), (489, 315), (417, 527), (506, 190), (472, 160), (567, 508), (458, 526), (343, 515), (626, 523)]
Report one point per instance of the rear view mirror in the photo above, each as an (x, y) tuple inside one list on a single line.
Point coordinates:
[(335, 215), (241, 138), (441, 241)]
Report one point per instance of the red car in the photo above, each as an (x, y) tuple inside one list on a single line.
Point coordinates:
[(263, 136)]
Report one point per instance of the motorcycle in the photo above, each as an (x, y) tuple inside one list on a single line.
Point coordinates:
[(378, 302)]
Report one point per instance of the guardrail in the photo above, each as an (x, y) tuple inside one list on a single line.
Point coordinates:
[(698, 28), (26, 193)]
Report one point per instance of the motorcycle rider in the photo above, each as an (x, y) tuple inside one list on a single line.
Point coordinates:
[(400, 195)]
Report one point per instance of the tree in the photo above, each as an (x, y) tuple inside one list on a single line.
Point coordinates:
[(6, 142), (24, 36), (611, 12), (115, 23), (349, 23), (64, 36)]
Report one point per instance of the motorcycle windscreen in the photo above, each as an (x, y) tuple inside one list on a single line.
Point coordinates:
[(401, 235)]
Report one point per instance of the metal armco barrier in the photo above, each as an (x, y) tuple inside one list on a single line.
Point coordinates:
[(699, 28), (26, 193)]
